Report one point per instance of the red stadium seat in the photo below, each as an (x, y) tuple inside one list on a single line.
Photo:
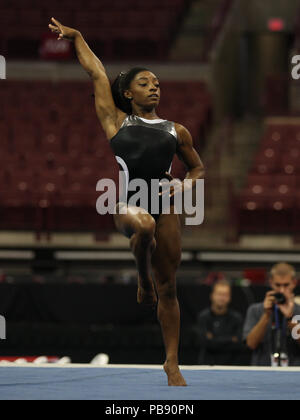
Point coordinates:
[(258, 184), (3, 179), (75, 138), (279, 212), (281, 181), (290, 165), (18, 211), (274, 142), (52, 141), (251, 213), (8, 17), (293, 136), (263, 166), (31, 17), (83, 180), (24, 137), (21, 182)]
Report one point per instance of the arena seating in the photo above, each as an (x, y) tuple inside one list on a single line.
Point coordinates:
[(276, 95), (114, 29), (270, 201), (53, 151)]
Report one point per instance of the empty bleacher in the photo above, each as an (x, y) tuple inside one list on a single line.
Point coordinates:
[(270, 201), (115, 29)]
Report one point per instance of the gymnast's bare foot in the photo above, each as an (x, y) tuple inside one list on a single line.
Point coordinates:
[(146, 296), (175, 377)]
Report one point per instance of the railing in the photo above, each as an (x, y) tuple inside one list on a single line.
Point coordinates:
[(297, 31), (216, 27)]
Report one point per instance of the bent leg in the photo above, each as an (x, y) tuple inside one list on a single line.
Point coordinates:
[(165, 262), (139, 226)]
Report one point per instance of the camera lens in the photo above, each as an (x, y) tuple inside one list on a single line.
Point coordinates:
[(280, 298)]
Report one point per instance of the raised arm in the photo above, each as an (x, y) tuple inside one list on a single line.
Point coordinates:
[(109, 115)]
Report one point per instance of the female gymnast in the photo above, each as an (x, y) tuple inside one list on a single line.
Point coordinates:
[(144, 146)]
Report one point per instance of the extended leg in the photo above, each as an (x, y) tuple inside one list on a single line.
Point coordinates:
[(165, 261)]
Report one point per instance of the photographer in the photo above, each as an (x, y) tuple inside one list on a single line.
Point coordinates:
[(268, 326)]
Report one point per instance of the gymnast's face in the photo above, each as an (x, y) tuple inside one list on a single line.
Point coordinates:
[(144, 90)]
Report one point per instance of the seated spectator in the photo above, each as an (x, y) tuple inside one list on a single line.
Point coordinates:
[(260, 319), (219, 329)]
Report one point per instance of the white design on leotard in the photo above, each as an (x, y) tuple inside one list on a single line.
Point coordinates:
[(126, 171)]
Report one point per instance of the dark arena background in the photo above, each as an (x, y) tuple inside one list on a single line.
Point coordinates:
[(68, 280)]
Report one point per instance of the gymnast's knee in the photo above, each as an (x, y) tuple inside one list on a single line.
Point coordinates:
[(142, 237), (167, 290), (146, 229)]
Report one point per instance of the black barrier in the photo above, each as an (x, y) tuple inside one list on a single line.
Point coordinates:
[(105, 304), (81, 321)]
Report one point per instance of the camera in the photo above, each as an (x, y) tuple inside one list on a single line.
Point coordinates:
[(280, 299)]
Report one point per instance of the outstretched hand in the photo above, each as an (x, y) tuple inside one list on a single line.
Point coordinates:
[(64, 31)]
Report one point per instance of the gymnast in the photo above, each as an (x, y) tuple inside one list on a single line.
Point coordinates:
[(144, 146)]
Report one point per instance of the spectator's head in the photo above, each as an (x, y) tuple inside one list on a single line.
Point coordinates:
[(221, 296), (283, 278)]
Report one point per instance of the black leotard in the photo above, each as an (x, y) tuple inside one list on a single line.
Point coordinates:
[(144, 149)]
